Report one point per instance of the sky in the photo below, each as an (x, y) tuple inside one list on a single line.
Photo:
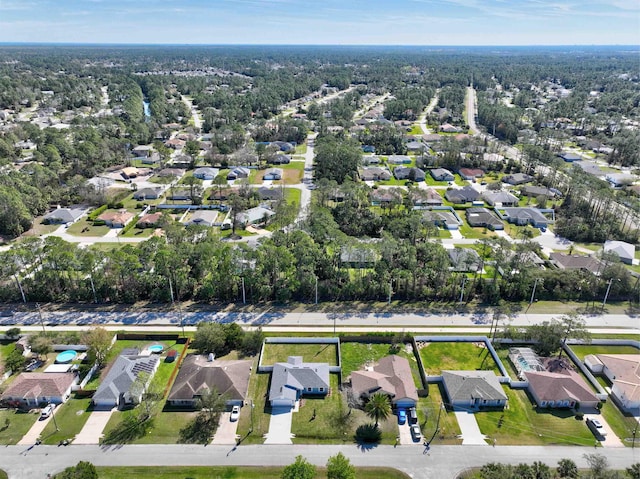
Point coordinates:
[(325, 22)]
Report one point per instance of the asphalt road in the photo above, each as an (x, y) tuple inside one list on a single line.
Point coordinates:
[(441, 462)]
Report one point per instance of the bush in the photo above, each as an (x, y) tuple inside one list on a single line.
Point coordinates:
[(97, 212), (579, 416), (368, 433)]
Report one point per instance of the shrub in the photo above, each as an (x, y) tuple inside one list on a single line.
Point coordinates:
[(368, 433), (97, 212)]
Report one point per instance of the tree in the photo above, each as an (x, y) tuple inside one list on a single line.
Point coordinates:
[(209, 338), (550, 336), (99, 342), (378, 407), (14, 361), (12, 333), (211, 404), (301, 469), (83, 470), (252, 342), (634, 471), (41, 345), (339, 467), (574, 327), (567, 469), (598, 465)]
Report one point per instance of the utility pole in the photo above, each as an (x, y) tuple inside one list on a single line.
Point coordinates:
[(317, 290), (40, 315), (24, 297), (535, 283), (464, 280), (93, 288), (244, 297), (606, 295)]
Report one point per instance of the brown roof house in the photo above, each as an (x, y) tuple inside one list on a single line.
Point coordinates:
[(116, 219), (473, 389), (149, 220), (39, 389), (391, 376), (576, 261), (623, 371), (562, 389), (199, 374)]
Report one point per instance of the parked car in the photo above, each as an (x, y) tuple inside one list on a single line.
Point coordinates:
[(47, 411), (596, 427), (235, 413), (416, 434), (402, 416), (413, 415)]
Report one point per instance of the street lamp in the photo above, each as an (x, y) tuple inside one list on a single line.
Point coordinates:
[(55, 423)]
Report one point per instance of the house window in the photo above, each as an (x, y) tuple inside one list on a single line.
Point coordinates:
[(321, 390), (308, 389)]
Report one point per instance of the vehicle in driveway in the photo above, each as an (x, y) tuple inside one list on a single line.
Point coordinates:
[(47, 411), (235, 413), (402, 416), (413, 416), (416, 434), (596, 427)]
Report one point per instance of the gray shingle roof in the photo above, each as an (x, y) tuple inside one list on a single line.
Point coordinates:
[(123, 373), (466, 385), (295, 375)]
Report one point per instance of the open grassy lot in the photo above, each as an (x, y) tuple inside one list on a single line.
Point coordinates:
[(70, 417), (311, 353), (428, 409), (582, 351), (437, 357), (19, 424), (524, 424), (260, 417), (229, 472), (138, 233), (521, 232), (86, 228)]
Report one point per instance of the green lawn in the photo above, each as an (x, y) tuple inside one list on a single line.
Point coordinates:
[(520, 232), (355, 355), (582, 351), (86, 228), (311, 353), (431, 182), (622, 424), (459, 181), (19, 425), (442, 233), (437, 357), (415, 129), (293, 195), (429, 408), (590, 246), (301, 149), (229, 472), (524, 424), (70, 418), (260, 417), (474, 233), (138, 233)]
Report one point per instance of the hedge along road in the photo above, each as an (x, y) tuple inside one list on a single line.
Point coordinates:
[(441, 462)]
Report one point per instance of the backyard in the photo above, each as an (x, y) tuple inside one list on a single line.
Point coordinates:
[(445, 356), (311, 353)]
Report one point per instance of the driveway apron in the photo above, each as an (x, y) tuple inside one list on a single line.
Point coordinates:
[(280, 426), (92, 430), (471, 434), (35, 431), (226, 432)]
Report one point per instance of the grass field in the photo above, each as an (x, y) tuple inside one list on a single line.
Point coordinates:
[(70, 418), (311, 353), (524, 424), (19, 424), (355, 355), (622, 424), (429, 409), (86, 228), (474, 233), (582, 351), (437, 357), (229, 472)]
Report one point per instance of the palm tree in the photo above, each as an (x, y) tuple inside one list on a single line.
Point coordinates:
[(378, 407)]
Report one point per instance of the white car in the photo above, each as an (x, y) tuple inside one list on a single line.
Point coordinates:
[(47, 411), (235, 413), (596, 427)]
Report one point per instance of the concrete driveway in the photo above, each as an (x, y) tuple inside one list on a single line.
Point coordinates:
[(280, 426), (610, 440), (92, 430), (36, 430), (404, 432), (226, 432), (470, 432)]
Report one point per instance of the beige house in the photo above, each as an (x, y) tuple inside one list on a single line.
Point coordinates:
[(39, 389), (391, 376), (623, 371)]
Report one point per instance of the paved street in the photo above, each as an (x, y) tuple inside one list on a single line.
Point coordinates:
[(442, 462)]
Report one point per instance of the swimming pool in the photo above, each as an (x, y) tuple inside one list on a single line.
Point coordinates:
[(66, 356), (156, 348), (524, 365)]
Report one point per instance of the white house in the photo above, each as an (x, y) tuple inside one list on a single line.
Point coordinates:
[(626, 251), (623, 371)]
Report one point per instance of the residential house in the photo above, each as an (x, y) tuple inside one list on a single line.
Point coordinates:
[(279, 160), (525, 216), (142, 151), (358, 257), (448, 128), (374, 174), (116, 219), (176, 194), (482, 217), (467, 194), (398, 160), (294, 379), (500, 198), (147, 194), (428, 197), (206, 173), (38, 389), (149, 220), (170, 172), (416, 146), (569, 157), (440, 174), (283, 145), (536, 191), (238, 173), (273, 174), (623, 372), (129, 172), (371, 160), (442, 218), (618, 180), (517, 179), (413, 174), (473, 389), (464, 260), (385, 196), (63, 215), (625, 251), (368, 148), (270, 194), (255, 215), (26, 145), (203, 218), (119, 388), (392, 377), (575, 261), (470, 174), (200, 374), (175, 143), (432, 137), (562, 389)]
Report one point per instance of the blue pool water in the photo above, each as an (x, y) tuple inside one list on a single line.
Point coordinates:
[(523, 364), (66, 356), (156, 348)]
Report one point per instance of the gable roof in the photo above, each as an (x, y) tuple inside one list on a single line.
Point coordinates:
[(499, 197), (576, 261), (622, 249), (296, 375), (462, 195), (35, 385), (392, 375), (525, 213), (483, 217), (121, 376), (65, 215), (464, 259), (466, 385), (559, 386), (197, 375)]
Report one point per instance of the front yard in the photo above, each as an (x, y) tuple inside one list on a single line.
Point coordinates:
[(15, 424), (311, 353), (429, 409), (70, 418)]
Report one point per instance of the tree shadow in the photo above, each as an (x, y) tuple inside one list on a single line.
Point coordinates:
[(199, 430), (131, 428)]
